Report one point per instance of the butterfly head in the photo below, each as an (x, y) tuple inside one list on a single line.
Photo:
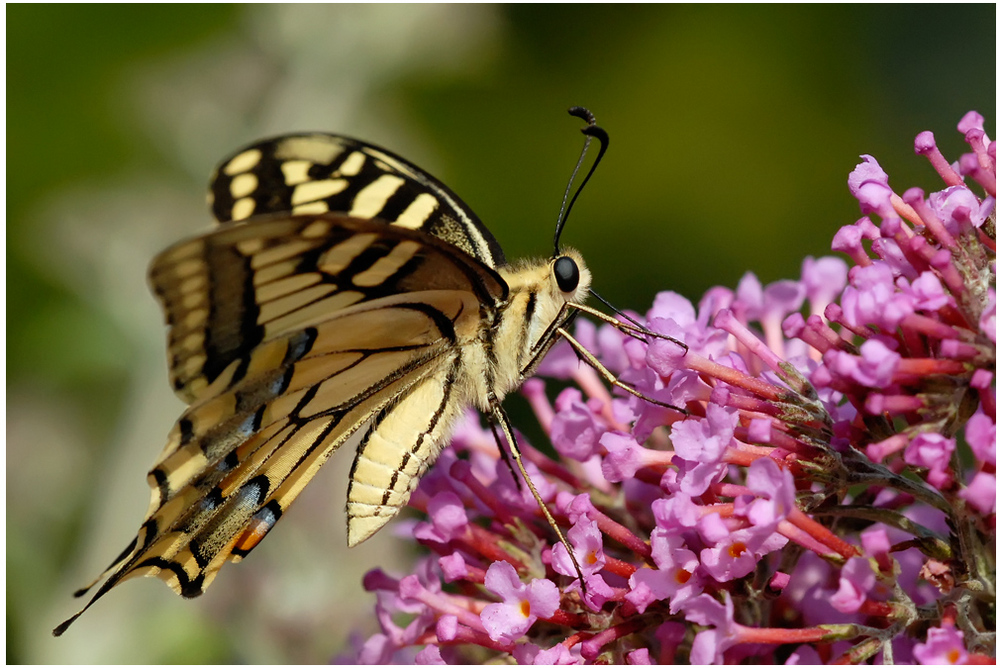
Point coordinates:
[(569, 278), (540, 289)]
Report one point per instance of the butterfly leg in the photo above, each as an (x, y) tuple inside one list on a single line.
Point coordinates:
[(595, 363), (503, 451), (499, 416), (631, 328)]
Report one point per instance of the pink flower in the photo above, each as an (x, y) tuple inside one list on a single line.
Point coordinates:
[(871, 298), (931, 451), (737, 554), (775, 489), (873, 368), (709, 645), (981, 433), (557, 655), (944, 646), (575, 429), (522, 604), (700, 445), (817, 475), (429, 656), (587, 543), (856, 580), (448, 519), (981, 493), (675, 577), (823, 280)]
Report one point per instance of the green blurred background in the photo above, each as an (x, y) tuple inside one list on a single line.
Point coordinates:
[(733, 130)]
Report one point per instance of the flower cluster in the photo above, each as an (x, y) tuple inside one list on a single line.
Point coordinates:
[(827, 494)]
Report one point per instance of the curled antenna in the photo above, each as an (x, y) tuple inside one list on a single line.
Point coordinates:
[(591, 131)]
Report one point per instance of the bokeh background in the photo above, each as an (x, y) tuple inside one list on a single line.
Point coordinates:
[(732, 131)]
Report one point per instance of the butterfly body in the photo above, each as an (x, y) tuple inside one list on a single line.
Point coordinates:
[(492, 353), (344, 292)]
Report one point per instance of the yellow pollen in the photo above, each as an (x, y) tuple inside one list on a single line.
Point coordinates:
[(526, 608)]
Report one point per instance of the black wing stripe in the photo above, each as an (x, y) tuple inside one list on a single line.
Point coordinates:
[(232, 323)]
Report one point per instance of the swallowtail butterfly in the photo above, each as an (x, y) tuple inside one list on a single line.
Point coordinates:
[(343, 290)]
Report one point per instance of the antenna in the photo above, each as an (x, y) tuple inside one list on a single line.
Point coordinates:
[(592, 131)]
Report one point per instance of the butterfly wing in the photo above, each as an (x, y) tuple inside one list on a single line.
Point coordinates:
[(230, 290), (334, 296), (316, 173), (255, 436)]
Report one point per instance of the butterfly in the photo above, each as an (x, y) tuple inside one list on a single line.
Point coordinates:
[(344, 290)]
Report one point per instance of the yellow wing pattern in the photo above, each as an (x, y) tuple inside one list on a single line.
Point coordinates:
[(278, 376), (225, 292)]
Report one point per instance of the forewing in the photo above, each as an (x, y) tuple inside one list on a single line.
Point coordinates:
[(321, 173), (235, 461), (227, 291)]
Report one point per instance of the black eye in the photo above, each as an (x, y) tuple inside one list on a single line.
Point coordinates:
[(567, 274)]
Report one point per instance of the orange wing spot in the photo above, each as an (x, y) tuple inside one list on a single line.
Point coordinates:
[(252, 535)]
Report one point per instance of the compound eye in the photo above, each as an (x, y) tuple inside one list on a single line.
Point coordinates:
[(567, 274)]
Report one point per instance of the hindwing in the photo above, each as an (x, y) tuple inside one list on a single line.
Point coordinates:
[(237, 459)]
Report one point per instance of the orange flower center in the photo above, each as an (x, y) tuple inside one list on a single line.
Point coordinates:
[(681, 576), (526, 608), (737, 549)]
